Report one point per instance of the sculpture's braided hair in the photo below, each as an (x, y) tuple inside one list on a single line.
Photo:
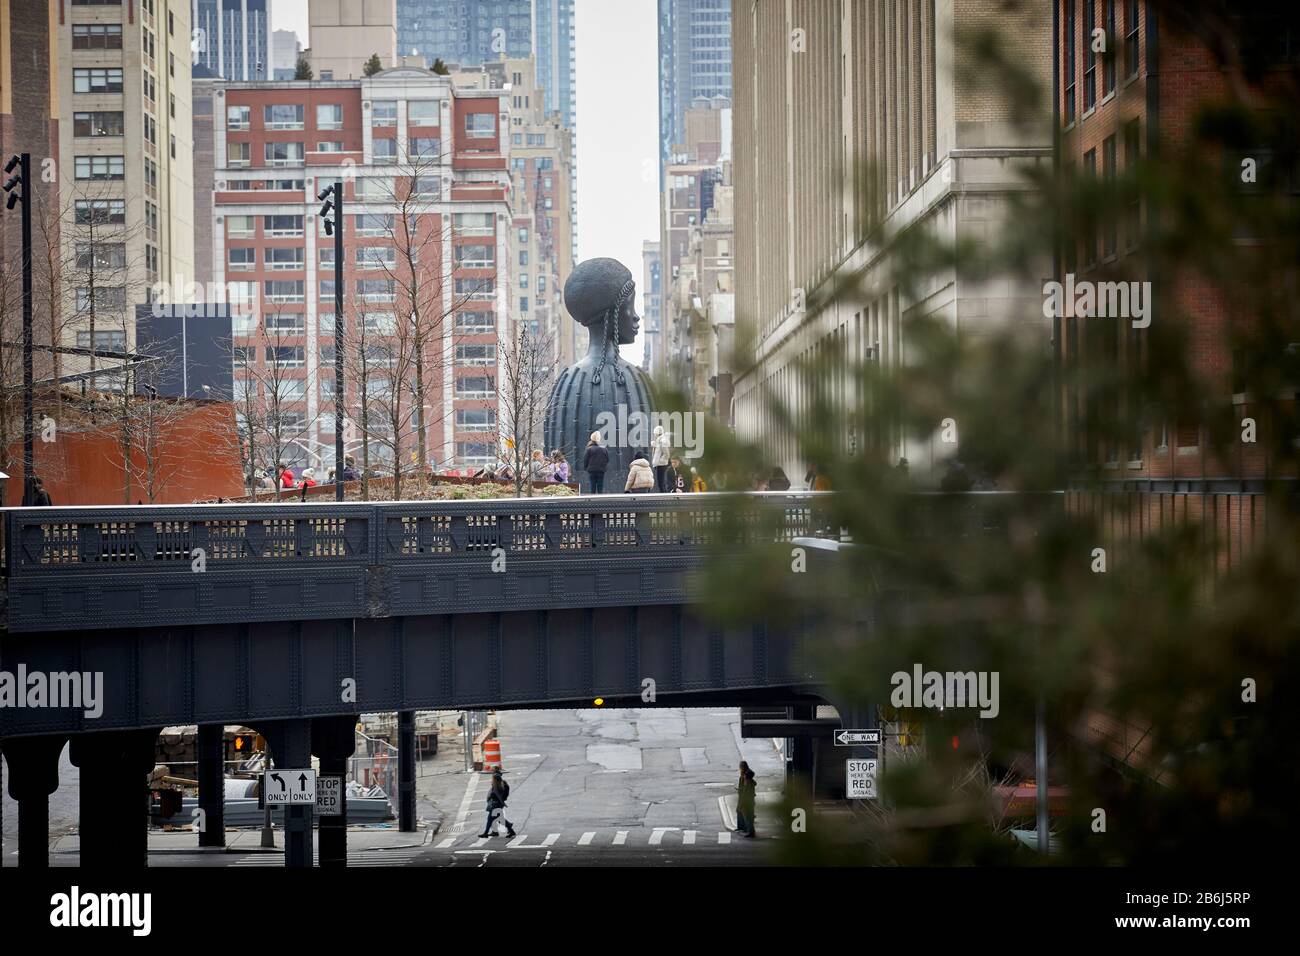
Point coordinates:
[(611, 331)]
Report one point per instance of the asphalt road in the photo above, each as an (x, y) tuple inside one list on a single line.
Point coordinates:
[(653, 787)]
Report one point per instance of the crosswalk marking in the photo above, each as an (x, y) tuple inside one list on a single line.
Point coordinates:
[(723, 837), (620, 838), (586, 838), (688, 838), (655, 836), (446, 843)]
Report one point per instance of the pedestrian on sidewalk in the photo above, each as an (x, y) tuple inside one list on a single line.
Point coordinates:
[(594, 462), (746, 791), (661, 451), (498, 793)]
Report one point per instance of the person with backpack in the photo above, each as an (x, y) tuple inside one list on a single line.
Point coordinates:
[(498, 793), (594, 463)]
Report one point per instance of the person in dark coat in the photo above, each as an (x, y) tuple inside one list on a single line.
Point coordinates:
[(498, 793), (674, 480), (746, 791), (40, 497), (594, 462), (777, 481)]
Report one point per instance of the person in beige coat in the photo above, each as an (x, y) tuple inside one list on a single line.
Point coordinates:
[(640, 477)]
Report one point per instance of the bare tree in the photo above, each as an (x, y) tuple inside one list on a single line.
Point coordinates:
[(527, 367)]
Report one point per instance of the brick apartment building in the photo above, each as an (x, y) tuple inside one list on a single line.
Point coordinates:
[(425, 171), (1113, 112)]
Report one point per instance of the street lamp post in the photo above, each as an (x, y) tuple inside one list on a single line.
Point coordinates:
[(333, 199), (24, 178)]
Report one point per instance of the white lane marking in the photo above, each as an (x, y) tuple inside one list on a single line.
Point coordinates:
[(586, 838), (524, 756), (479, 842), (446, 843), (657, 836), (466, 803), (724, 838), (550, 839), (620, 838), (728, 817), (518, 842), (688, 837)]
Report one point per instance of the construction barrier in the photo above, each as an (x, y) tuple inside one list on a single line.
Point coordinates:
[(491, 755)]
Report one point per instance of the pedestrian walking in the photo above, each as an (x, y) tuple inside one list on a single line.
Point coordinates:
[(40, 497), (497, 796), (640, 477), (594, 462), (661, 449), (746, 793)]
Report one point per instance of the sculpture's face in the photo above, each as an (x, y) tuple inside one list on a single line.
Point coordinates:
[(628, 321)]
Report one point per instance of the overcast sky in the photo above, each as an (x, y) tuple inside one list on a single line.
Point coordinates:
[(618, 127)]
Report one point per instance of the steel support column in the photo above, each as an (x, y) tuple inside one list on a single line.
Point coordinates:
[(212, 785), (113, 822), (406, 759), (33, 776), (290, 744), (333, 740), (799, 771)]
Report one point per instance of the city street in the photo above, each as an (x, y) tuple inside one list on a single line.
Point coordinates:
[(652, 787)]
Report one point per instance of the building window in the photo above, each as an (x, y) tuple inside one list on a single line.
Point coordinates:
[(97, 124), (329, 116), (327, 74), (422, 113), (1090, 226), (241, 227), (473, 323), (97, 36), (374, 224), (107, 299), (481, 289), (282, 226), (238, 117), (107, 80), (329, 146), (100, 212), (427, 187), (485, 354), (480, 125), (475, 255), (1131, 18), (99, 167), (282, 116), (1112, 37), (1132, 154), (523, 280), (284, 290), (285, 356), (101, 255), (383, 113), (1108, 161), (283, 154), (285, 323), (376, 257), (110, 341), (376, 290), (476, 386), (243, 260), (473, 223), (1089, 57), (384, 150), (476, 420), (279, 259), (426, 147)]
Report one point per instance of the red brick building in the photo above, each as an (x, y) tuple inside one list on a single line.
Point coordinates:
[(425, 176), (1115, 111)]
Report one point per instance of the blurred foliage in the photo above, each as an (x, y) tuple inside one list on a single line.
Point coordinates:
[(1162, 641)]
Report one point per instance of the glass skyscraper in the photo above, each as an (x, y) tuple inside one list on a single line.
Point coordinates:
[(232, 38), (694, 62)]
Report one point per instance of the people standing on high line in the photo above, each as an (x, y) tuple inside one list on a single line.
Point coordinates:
[(815, 480), (674, 477), (40, 497), (640, 477), (697, 482), (661, 450), (559, 466), (537, 467), (497, 796), (309, 477), (286, 477), (777, 481), (746, 797), (594, 462), (350, 469)]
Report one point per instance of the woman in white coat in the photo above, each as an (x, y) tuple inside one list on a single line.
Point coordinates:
[(661, 449)]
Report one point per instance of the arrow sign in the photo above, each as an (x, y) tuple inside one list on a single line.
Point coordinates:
[(305, 794), (854, 738)]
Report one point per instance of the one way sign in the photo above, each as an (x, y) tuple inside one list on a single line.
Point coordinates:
[(289, 786), (854, 738)]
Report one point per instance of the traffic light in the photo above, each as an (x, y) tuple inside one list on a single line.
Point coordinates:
[(244, 744)]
